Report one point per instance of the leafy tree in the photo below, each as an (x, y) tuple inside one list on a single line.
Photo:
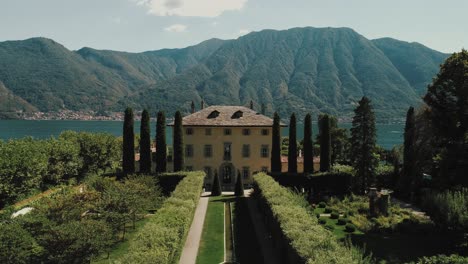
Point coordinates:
[(447, 98), (17, 245), (64, 161), (145, 143), (275, 145), (292, 150), (239, 189), (363, 145), (325, 144), (128, 164), (178, 143), (308, 146), (409, 159), (216, 188), (161, 149)]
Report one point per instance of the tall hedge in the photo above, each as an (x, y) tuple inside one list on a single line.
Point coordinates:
[(405, 183), (145, 143), (239, 188), (296, 232), (292, 148), (308, 146), (325, 144), (178, 142), (128, 157), (162, 239), (216, 188), (276, 145), (161, 148)]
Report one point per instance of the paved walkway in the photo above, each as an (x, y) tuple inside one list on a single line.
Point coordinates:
[(266, 244), (190, 251)]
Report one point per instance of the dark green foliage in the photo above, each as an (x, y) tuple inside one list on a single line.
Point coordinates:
[(292, 150), (145, 143), (330, 227), (322, 221), (322, 205), (409, 160), (334, 215), (325, 143), (308, 146), (442, 259), (328, 210), (350, 228), (17, 245), (178, 143), (239, 188), (276, 145), (216, 188), (447, 99), (363, 145), (128, 159), (342, 221), (161, 148)]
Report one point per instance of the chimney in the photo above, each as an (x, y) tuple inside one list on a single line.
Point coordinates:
[(263, 109), (251, 104), (193, 107), (202, 104)]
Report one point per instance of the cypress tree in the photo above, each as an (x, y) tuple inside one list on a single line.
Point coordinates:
[(292, 148), (145, 143), (216, 188), (239, 190), (178, 143), (363, 145), (276, 145), (325, 144), (128, 158), (406, 179), (161, 148), (308, 146)]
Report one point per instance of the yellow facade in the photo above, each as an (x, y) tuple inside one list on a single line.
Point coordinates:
[(227, 166)]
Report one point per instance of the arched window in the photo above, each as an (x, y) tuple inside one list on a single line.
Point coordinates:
[(213, 114), (237, 114)]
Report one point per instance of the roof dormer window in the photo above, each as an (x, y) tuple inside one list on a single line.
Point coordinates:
[(213, 114), (237, 114)]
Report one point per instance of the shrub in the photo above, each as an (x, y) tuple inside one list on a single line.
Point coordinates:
[(162, 238), (322, 205), (334, 216), (317, 215), (329, 227), (305, 240), (322, 221), (328, 210), (442, 259), (343, 221), (350, 228)]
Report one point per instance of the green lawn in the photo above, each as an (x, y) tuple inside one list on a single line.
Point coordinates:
[(338, 230), (211, 250), (121, 248)]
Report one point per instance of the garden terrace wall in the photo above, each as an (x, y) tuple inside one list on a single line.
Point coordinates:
[(162, 238), (297, 236)]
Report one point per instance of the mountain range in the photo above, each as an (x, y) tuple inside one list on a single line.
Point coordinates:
[(297, 70)]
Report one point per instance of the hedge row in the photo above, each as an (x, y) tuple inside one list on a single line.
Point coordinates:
[(296, 233), (162, 238)]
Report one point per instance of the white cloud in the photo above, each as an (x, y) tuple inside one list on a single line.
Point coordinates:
[(244, 32), (176, 28), (193, 8)]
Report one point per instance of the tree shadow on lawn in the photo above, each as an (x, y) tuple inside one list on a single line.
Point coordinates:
[(398, 248)]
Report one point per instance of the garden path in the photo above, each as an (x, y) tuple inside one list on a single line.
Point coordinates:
[(413, 209), (192, 243)]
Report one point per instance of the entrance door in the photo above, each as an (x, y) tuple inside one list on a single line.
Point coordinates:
[(227, 174)]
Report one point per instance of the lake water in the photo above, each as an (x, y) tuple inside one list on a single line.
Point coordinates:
[(388, 135)]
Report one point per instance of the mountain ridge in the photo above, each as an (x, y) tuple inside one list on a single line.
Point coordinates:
[(294, 70)]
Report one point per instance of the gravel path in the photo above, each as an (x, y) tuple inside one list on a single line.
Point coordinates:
[(190, 251)]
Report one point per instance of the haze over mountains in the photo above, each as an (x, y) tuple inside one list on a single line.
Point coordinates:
[(295, 70)]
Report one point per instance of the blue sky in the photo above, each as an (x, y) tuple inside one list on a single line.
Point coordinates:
[(140, 25)]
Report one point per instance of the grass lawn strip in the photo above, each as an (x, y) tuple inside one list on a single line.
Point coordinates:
[(212, 241)]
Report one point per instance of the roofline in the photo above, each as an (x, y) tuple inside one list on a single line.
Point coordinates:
[(171, 125)]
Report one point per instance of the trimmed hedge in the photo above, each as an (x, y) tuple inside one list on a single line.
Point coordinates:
[(296, 233), (161, 240)]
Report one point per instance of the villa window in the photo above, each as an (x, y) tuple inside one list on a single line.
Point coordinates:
[(188, 151), (213, 114), (264, 169), (264, 151), (237, 114), (189, 131), (227, 132), (227, 151), (246, 132), (207, 131), (265, 132), (245, 151), (208, 151), (245, 172)]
